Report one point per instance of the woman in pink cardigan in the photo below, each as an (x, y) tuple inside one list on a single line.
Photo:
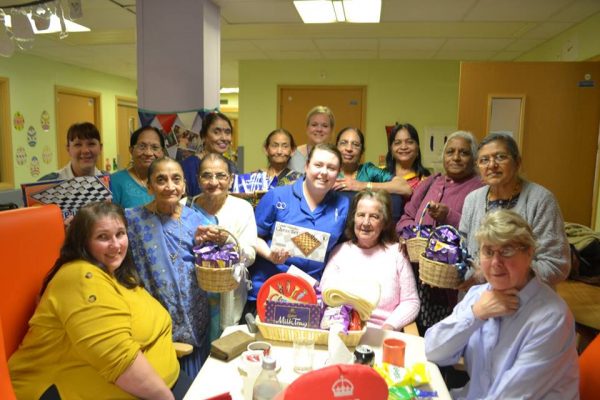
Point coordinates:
[(372, 253)]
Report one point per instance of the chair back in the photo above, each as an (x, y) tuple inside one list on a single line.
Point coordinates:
[(589, 371), (30, 244), (6, 389)]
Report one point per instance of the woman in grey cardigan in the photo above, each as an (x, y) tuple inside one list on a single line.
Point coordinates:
[(499, 161)]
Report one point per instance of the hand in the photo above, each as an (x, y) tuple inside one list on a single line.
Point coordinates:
[(438, 211), (278, 256), (402, 247), (349, 184), (496, 303), (387, 327), (208, 233)]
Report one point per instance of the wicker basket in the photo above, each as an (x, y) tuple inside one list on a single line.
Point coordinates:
[(439, 274), (217, 280), (285, 333), (416, 246)]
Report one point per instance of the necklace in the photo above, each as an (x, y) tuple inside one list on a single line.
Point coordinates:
[(137, 178), (503, 203)]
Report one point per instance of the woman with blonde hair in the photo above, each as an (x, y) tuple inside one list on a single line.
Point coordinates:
[(319, 125)]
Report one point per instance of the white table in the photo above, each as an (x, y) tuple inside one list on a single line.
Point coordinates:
[(217, 377)]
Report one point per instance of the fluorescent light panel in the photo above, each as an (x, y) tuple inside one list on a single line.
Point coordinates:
[(54, 25), (328, 11)]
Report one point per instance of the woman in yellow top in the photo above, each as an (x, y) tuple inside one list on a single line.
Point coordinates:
[(96, 333), (404, 155)]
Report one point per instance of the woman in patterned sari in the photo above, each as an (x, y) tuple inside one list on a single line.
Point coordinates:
[(162, 234)]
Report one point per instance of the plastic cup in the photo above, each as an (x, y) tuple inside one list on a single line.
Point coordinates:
[(393, 351), (260, 346), (304, 350)]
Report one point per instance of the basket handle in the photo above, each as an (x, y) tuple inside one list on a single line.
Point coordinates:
[(420, 223), (237, 243)]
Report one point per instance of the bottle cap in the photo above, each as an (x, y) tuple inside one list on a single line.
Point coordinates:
[(269, 362)]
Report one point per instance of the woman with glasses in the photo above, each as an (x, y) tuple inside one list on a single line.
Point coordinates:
[(499, 161), (279, 146), (162, 234), (356, 176), (129, 186), (319, 125), (517, 336), (403, 158), (237, 216), (216, 135), (443, 197)]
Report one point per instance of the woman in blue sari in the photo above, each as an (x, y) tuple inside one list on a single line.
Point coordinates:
[(161, 236)]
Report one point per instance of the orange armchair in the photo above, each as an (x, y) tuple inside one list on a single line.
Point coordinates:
[(30, 244), (589, 371)]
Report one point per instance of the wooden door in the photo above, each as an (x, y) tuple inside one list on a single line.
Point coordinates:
[(560, 123), (73, 105), (127, 123), (346, 102)]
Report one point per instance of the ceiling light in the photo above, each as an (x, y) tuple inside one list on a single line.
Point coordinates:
[(54, 25), (226, 90), (327, 11)]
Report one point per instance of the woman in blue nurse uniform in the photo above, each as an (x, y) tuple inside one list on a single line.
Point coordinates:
[(308, 203)]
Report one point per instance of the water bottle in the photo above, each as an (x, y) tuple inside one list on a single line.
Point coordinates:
[(267, 385)]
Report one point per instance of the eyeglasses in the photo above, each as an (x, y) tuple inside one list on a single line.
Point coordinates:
[(208, 176), (354, 145), (498, 158), (143, 147), (504, 252)]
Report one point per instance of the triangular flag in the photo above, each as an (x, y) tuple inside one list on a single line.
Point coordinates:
[(146, 118), (166, 120)]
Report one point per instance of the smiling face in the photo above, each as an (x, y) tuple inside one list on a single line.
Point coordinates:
[(214, 178), (368, 222), (350, 146), (321, 170), (218, 137), (167, 183), (500, 167), (458, 160), (84, 154), (145, 150), (318, 129), (504, 272), (404, 148), (108, 242), (279, 149)]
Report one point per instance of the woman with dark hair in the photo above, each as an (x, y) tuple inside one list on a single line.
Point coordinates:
[(372, 253), (129, 186), (216, 134), (356, 176), (84, 146), (162, 235), (279, 146), (310, 203), (499, 162), (96, 333), (404, 155)]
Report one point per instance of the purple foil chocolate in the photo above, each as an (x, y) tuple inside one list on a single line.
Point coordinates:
[(336, 315)]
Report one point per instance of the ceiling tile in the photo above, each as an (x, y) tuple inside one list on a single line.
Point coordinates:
[(243, 55), (237, 45), (294, 55), (411, 54), (424, 10), (410, 44), (464, 55), (476, 44), (577, 11), (346, 44), (252, 12), (285, 44), (546, 30), (523, 45), (351, 55), (515, 10), (506, 56)]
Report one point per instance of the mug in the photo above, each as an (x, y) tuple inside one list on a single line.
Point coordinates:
[(393, 351), (265, 347)]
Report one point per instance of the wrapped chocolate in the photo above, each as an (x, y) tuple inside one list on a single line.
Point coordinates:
[(214, 256), (411, 231), (337, 315), (445, 246)]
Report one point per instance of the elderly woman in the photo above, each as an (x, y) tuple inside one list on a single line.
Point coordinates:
[(162, 234), (216, 134), (235, 215), (403, 158), (499, 162), (517, 336), (308, 203), (356, 176), (84, 147), (128, 186), (372, 253), (445, 195), (319, 125), (279, 146), (96, 332)]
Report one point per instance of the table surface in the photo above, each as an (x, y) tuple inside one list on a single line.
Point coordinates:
[(584, 301), (217, 377)]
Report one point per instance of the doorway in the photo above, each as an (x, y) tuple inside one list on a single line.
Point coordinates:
[(127, 123), (74, 105), (346, 102)]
